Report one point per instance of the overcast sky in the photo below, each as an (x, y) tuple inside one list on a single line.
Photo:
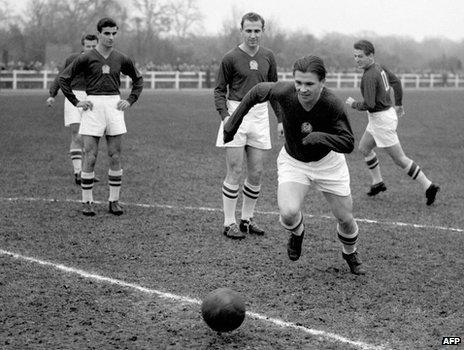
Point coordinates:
[(418, 19)]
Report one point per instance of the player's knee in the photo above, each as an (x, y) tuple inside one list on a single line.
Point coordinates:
[(289, 214), (403, 162), (364, 151), (254, 175), (347, 223), (234, 171), (114, 156), (90, 157)]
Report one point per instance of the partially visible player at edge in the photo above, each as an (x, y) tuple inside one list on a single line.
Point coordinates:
[(317, 133), (103, 109), (241, 69), (383, 121), (72, 115)]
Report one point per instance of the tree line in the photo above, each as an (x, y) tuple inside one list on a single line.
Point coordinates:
[(168, 33)]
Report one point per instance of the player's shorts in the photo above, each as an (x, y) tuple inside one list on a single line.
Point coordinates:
[(254, 130), (330, 174), (72, 114), (104, 118), (382, 126)]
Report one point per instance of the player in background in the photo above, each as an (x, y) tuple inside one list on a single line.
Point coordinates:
[(103, 109), (383, 120), (72, 115), (317, 133), (241, 69)]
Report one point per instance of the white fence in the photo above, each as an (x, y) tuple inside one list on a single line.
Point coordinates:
[(18, 79)]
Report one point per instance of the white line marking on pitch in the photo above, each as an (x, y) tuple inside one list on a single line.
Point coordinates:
[(176, 207), (183, 299)]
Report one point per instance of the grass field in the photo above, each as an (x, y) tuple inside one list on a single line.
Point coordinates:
[(136, 281)]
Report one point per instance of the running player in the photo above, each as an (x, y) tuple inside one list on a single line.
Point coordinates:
[(241, 69), (383, 120), (317, 133), (103, 109), (72, 115)]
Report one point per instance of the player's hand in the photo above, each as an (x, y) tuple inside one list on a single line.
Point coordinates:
[(306, 128), (349, 101), (307, 140), (123, 105), (280, 130), (85, 105), (399, 111), (50, 101)]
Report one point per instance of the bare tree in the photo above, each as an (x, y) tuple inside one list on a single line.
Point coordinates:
[(152, 18), (185, 16)]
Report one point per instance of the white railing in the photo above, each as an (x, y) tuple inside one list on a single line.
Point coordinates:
[(18, 79)]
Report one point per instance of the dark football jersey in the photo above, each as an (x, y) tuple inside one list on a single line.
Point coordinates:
[(375, 89), (78, 83), (328, 118), (239, 72), (102, 75)]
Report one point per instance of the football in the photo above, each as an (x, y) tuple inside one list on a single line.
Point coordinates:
[(223, 310)]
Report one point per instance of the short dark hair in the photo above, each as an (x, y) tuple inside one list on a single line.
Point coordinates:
[(365, 45), (252, 17), (90, 37), (106, 22), (310, 63)]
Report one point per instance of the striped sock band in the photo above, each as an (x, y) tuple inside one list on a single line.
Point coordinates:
[(348, 240), (114, 181), (250, 197), (87, 186), (415, 172), (229, 201), (372, 163), (76, 158)]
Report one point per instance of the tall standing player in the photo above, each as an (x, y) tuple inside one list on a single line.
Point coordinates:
[(241, 69), (103, 109), (317, 133), (72, 114), (383, 120)]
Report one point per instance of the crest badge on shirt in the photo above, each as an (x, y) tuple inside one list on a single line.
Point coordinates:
[(106, 69), (253, 65)]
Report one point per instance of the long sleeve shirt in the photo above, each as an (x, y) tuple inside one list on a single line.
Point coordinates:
[(331, 127), (78, 83), (375, 89), (239, 72), (102, 75)]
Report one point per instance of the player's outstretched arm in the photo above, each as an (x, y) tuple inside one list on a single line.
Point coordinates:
[(258, 94)]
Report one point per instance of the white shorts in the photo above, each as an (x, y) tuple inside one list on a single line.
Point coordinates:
[(254, 130), (72, 114), (382, 127), (104, 118), (330, 174)]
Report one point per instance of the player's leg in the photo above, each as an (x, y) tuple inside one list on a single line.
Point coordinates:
[(290, 197), (75, 151), (251, 189), (347, 229), (414, 171), (366, 147), (230, 189), (90, 152), (114, 173)]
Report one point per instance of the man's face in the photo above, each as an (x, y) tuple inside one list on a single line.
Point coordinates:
[(107, 36), (89, 44), (251, 33), (362, 60), (308, 86)]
